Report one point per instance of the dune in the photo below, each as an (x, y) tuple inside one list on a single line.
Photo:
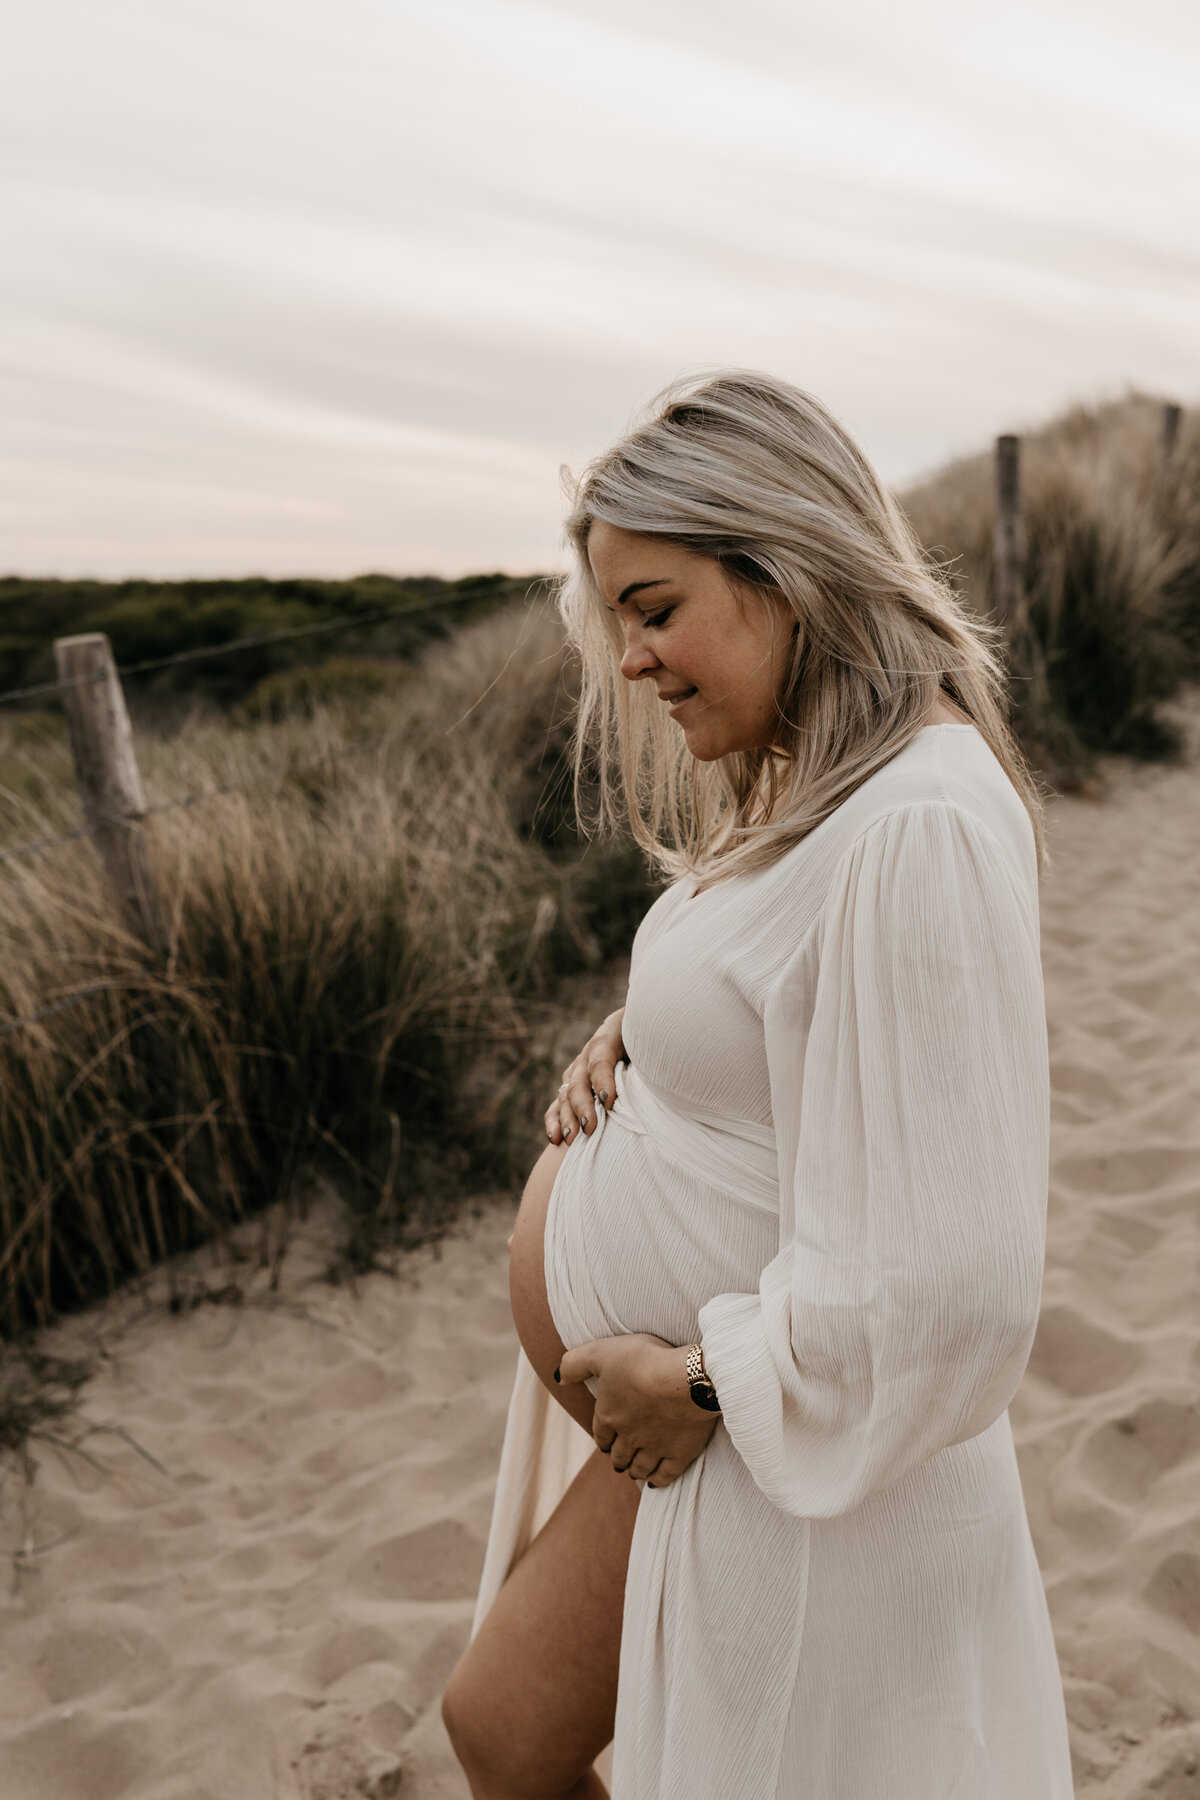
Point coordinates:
[(250, 1564)]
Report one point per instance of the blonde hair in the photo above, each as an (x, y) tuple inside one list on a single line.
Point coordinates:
[(753, 472)]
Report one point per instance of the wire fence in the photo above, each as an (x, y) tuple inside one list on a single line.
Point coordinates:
[(482, 708), (274, 776), (257, 641), (180, 801)]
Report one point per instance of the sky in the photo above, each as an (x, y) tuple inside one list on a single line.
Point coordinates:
[(323, 286)]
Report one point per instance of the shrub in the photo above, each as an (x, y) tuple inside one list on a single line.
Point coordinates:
[(339, 680)]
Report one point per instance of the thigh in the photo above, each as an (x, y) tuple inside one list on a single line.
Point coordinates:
[(534, 1699)]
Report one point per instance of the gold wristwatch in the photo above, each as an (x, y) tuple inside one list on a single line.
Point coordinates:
[(702, 1390)]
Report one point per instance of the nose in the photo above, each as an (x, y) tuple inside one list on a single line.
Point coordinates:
[(639, 659)]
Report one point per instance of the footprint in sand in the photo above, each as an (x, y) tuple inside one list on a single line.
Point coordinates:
[(1129, 1230), (72, 1756), (1180, 1779), (1127, 1172), (1079, 1357), (441, 1561), (1174, 1589), (1126, 1456), (348, 1648), (74, 1662)]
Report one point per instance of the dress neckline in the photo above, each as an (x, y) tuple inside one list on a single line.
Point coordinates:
[(938, 725)]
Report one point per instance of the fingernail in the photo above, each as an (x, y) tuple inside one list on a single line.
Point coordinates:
[(604, 1098), (557, 1376)]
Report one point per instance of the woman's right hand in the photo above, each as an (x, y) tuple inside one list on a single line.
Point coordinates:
[(588, 1082)]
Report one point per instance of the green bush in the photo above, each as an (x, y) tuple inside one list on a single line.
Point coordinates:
[(152, 620), (338, 681)]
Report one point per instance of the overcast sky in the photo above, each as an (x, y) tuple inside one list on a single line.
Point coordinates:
[(329, 285)]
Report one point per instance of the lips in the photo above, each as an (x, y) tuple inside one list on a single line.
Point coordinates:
[(677, 700)]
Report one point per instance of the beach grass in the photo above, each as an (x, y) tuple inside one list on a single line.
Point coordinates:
[(1111, 547), (361, 946)]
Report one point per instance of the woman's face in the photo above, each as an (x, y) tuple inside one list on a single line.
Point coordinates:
[(717, 655)]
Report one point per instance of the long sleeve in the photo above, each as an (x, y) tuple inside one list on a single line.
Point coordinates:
[(906, 1045)]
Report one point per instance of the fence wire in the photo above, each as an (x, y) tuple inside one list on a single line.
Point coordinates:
[(274, 777), (479, 709), (254, 641), (279, 776), (180, 801)]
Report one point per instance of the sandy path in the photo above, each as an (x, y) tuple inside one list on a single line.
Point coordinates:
[(1107, 1420), (274, 1613)]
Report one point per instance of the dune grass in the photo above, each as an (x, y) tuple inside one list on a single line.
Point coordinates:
[(1112, 568), (366, 943), (359, 948)]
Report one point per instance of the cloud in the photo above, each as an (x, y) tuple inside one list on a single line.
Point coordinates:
[(310, 286)]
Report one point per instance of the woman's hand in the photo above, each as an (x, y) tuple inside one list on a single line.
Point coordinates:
[(645, 1418), (590, 1080)]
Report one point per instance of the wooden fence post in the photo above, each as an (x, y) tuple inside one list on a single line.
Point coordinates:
[(1172, 414), (107, 776), (1009, 595)]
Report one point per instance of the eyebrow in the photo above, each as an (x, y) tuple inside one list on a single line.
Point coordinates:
[(637, 587)]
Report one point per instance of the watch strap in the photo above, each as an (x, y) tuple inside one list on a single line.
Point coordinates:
[(701, 1388)]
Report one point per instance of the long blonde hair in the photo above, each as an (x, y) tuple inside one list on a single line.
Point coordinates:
[(751, 471)]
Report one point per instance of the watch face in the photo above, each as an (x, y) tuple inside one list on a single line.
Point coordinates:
[(705, 1395)]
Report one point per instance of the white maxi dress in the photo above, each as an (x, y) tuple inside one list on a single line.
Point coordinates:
[(827, 1161)]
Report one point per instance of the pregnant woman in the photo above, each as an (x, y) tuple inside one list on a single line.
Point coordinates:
[(782, 1260)]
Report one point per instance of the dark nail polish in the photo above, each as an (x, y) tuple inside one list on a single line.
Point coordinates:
[(557, 1376), (604, 1099)]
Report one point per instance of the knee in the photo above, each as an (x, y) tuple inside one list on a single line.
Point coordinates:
[(494, 1758), (472, 1735), (457, 1715)]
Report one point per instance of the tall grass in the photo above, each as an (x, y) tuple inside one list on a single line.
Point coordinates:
[(347, 941), (1112, 565)]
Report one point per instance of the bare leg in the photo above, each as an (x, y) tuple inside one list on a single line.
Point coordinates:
[(533, 1702)]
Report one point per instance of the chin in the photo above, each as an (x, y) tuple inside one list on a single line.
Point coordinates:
[(707, 746)]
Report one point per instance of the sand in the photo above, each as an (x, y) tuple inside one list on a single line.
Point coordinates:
[(270, 1606), (1107, 1419)]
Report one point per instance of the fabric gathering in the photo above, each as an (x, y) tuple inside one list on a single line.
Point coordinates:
[(827, 1162)]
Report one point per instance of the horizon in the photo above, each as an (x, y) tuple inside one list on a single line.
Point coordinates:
[(318, 293)]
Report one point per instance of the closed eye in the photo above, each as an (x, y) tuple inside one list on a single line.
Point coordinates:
[(653, 620)]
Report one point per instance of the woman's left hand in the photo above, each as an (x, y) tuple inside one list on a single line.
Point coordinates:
[(645, 1419)]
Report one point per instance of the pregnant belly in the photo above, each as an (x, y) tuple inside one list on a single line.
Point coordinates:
[(623, 1238), (527, 1269), (527, 1289)]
